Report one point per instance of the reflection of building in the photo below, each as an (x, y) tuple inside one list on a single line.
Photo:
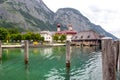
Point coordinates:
[(69, 33), (91, 49), (87, 38), (47, 36), (47, 52)]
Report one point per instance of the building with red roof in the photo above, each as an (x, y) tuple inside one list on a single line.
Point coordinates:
[(69, 33)]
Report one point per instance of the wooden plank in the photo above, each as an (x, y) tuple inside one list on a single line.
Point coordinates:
[(108, 61), (68, 54), (26, 55)]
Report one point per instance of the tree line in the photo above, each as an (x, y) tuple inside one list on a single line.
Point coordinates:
[(59, 37), (13, 35)]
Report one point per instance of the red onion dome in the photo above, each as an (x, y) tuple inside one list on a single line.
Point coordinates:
[(58, 25)]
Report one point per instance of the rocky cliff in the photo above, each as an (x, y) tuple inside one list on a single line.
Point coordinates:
[(26, 14)]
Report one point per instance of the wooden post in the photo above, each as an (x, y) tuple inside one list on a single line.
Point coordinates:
[(26, 58), (119, 56), (68, 54), (116, 53), (108, 61), (0, 50)]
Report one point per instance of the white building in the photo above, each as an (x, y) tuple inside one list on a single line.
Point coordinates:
[(47, 36)]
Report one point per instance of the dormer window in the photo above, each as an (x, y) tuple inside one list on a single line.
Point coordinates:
[(81, 37), (75, 37), (88, 36)]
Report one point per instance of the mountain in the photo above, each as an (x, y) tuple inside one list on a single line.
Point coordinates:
[(79, 22), (34, 15), (26, 14)]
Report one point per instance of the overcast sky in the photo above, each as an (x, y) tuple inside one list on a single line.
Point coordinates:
[(101, 12)]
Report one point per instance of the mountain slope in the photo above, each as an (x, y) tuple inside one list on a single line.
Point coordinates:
[(28, 14), (79, 22), (34, 15)]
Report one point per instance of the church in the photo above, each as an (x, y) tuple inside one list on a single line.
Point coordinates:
[(69, 33)]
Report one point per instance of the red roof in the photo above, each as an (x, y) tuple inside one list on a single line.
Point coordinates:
[(66, 32)]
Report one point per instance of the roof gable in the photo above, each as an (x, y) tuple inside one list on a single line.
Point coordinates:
[(86, 35)]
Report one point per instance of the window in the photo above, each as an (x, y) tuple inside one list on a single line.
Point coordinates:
[(88, 36), (81, 37), (75, 37)]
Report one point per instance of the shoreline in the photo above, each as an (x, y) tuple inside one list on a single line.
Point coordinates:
[(31, 46)]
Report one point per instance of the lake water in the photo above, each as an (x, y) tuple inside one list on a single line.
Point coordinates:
[(49, 64)]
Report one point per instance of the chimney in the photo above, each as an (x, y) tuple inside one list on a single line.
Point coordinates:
[(70, 27), (58, 27)]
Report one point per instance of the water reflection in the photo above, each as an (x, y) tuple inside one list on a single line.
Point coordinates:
[(46, 52), (85, 62), (88, 49), (27, 72), (118, 75), (67, 73), (1, 69), (49, 64)]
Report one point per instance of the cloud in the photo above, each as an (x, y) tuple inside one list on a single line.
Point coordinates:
[(101, 12), (107, 18)]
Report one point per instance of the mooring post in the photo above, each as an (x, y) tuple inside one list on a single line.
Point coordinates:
[(26, 52), (68, 54), (116, 53), (108, 61), (119, 57), (0, 50)]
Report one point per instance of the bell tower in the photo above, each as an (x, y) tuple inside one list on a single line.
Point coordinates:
[(58, 27)]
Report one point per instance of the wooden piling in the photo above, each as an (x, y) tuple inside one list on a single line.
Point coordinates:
[(0, 50), (108, 61), (116, 53), (119, 57), (68, 54), (26, 55)]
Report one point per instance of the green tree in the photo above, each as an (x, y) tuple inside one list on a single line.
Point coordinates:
[(56, 37), (41, 38), (62, 37), (27, 36), (16, 37), (13, 37), (3, 34), (36, 37), (13, 30)]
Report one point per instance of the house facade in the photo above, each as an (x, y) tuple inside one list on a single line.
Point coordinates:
[(87, 38), (47, 36)]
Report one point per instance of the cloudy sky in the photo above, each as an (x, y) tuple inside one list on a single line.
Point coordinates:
[(101, 12)]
